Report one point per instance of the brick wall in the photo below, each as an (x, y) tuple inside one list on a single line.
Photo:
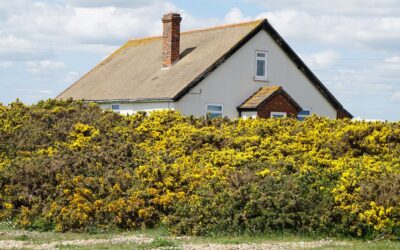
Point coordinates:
[(171, 39), (278, 103), (341, 114)]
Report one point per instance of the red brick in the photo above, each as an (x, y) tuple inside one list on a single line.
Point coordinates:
[(171, 39), (278, 103)]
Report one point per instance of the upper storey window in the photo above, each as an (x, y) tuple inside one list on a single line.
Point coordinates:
[(261, 66)]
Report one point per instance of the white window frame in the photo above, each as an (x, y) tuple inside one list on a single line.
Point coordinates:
[(305, 116), (257, 58), (216, 112), (273, 114)]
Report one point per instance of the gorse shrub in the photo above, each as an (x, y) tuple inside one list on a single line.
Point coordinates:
[(71, 166)]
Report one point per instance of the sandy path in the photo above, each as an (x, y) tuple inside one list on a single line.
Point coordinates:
[(14, 244), (269, 246), (142, 239)]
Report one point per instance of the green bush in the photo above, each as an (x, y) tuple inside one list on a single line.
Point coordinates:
[(70, 166)]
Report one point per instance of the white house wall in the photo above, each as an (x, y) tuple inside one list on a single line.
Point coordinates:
[(233, 82), (131, 108)]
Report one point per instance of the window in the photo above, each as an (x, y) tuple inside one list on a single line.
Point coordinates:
[(278, 114), (261, 66), (115, 108), (249, 114), (302, 115), (214, 110)]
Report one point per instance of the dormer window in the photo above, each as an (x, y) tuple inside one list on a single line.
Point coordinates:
[(261, 66)]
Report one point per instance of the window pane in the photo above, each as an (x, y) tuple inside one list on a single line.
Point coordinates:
[(260, 68), (261, 55), (301, 118), (305, 112), (278, 114), (115, 107), (214, 108)]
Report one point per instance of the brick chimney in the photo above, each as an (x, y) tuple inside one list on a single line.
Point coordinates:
[(171, 39)]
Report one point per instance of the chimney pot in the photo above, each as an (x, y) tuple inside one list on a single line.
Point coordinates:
[(171, 39)]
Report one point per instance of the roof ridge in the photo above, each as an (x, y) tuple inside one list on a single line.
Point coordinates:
[(255, 22)]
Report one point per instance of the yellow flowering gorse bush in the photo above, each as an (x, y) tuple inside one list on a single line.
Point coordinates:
[(70, 166)]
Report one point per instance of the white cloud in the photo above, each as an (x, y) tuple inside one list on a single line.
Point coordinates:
[(391, 64), (111, 25), (43, 67), (106, 22), (374, 79), (361, 82), (103, 3), (321, 60), (337, 7), (53, 27), (395, 97), (350, 32), (6, 64), (13, 48), (235, 15)]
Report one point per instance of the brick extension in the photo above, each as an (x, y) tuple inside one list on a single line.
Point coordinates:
[(270, 99), (171, 39), (341, 114), (278, 103)]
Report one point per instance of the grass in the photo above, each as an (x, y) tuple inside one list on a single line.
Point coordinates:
[(160, 239)]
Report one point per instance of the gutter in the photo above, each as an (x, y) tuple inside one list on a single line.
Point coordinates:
[(140, 100)]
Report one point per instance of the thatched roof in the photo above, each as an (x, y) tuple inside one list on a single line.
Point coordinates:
[(134, 72)]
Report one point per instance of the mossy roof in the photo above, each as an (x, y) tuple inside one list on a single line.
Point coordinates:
[(134, 71)]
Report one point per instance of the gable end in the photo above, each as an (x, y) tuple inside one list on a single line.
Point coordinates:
[(220, 61), (303, 68), (266, 26)]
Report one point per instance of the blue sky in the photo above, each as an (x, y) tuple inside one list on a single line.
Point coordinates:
[(353, 46)]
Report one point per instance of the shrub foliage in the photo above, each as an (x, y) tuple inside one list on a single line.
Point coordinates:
[(70, 166)]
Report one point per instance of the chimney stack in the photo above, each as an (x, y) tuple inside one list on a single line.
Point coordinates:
[(171, 39)]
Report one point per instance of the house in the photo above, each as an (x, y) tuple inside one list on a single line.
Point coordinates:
[(239, 70)]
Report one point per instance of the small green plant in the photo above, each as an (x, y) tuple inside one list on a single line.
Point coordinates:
[(159, 243), (41, 224)]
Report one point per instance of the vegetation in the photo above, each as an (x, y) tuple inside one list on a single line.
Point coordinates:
[(160, 239), (69, 166)]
